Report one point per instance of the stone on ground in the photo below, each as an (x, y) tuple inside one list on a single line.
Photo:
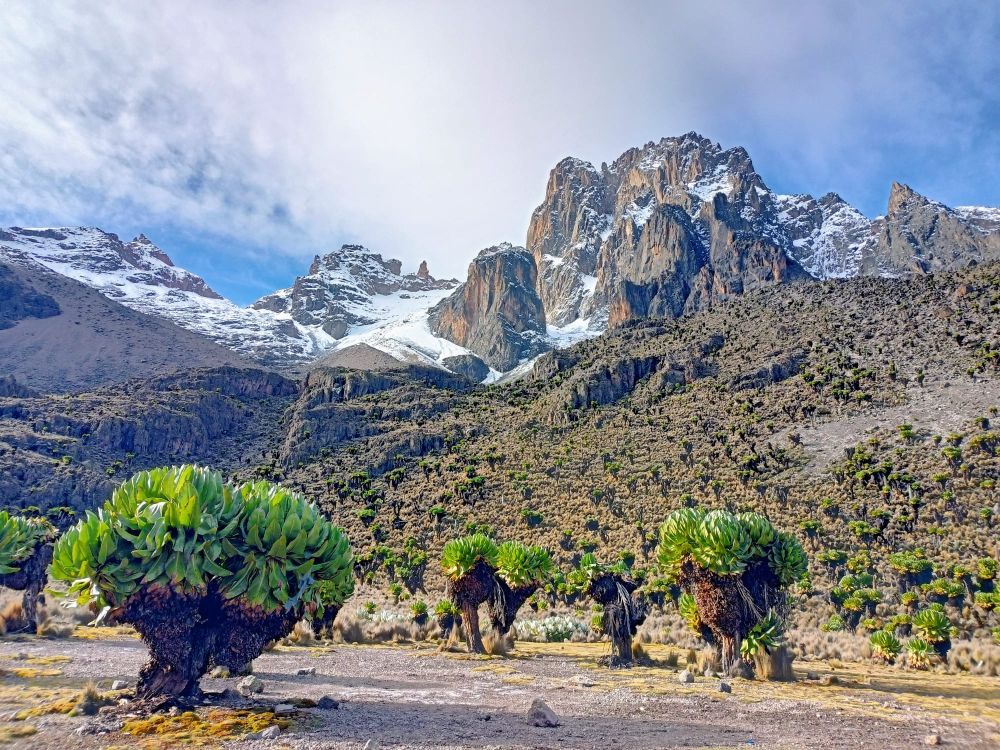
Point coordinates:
[(540, 715), (250, 685)]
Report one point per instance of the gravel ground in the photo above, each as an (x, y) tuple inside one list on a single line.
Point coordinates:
[(414, 697)]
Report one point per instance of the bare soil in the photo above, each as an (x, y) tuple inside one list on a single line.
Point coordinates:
[(413, 696)]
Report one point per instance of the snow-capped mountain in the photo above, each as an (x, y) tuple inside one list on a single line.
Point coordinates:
[(666, 229), (346, 293)]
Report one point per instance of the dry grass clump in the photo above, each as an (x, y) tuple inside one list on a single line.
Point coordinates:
[(301, 635), (13, 732), (12, 617), (975, 657), (498, 645)]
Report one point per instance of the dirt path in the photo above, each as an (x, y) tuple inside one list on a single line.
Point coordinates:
[(414, 697)]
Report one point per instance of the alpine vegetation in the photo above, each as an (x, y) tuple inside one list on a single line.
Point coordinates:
[(736, 569), (615, 589), (206, 572), (25, 554), (502, 576)]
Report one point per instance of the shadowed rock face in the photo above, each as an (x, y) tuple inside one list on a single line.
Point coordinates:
[(19, 300), (497, 312)]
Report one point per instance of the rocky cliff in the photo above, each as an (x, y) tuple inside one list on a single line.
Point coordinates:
[(497, 312), (918, 235)]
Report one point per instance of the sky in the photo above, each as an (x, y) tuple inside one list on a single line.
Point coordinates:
[(244, 138)]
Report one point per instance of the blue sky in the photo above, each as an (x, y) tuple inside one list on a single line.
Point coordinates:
[(245, 138)]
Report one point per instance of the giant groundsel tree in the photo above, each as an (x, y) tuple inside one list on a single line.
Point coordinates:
[(206, 572), (736, 569)]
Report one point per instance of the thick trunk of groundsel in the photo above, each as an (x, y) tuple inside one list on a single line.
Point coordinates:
[(473, 638), (189, 632), (623, 614), (169, 623), (30, 578), (242, 633), (505, 602), (323, 626), (729, 606), (468, 592), (724, 611)]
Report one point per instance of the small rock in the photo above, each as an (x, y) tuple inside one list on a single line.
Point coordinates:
[(709, 673), (119, 685), (270, 733), (483, 717), (327, 703), (812, 675), (583, 681), (307, 670), (250, 685), (219, 672), (99, 726), (725, 687), (540, 715), (829, 679), (173, 711), (284, 709), (932, 739), (685, 677)]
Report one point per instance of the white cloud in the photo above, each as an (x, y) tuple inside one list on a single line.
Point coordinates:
[(427, 130)]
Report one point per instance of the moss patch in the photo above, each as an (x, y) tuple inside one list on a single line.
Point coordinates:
[(33, 673), (193, 729), (90, 633)]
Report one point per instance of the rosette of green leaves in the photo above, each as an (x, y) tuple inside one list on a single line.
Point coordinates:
[(520, 565), (765, 635), (688, 609), (721, 544), (885, 645), (286, 553), (919, 653), (787, 559), (590, 568), (167, 527), (760, 530), (459, 556), (20, 537), (677, 537), (932, 625)]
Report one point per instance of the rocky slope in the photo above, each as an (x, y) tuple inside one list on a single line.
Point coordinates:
[(57, 334), (71, 450)]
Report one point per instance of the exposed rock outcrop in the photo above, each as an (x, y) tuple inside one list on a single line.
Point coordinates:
[(19, 300), (496, 312), (919, 235), (665, 230), (468, 365)]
